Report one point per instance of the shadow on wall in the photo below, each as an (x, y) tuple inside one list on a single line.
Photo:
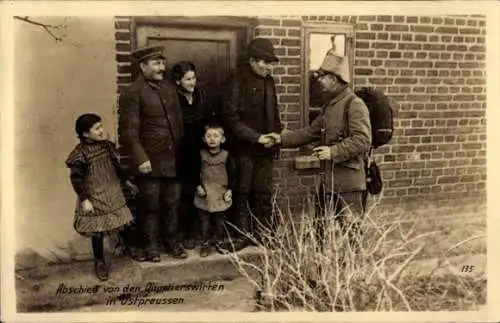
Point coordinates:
[(54, 83)]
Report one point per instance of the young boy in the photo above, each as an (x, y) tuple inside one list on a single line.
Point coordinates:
[(96, 177), (214, 193)]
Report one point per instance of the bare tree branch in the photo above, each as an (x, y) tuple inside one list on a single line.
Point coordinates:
[(28, 20), (46, 27)]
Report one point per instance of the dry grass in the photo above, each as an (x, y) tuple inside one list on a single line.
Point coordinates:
[(296, 273)]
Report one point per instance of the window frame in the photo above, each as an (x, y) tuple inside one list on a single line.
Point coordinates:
[(349, 30)]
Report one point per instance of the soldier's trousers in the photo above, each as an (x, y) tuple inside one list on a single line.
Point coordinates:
[(342, 204), (254, 192), (158, 211)]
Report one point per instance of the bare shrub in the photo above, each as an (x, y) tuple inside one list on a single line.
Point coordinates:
[(350, 271)]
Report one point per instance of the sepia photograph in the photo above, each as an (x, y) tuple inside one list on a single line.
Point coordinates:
[(253, 163)]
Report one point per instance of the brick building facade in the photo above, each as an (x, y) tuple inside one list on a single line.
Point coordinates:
[(434, 67)]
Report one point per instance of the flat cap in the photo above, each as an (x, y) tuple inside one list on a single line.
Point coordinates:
[(149, 52), (262, 48)]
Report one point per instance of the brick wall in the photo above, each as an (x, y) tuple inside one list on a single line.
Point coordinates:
[(434, 67)]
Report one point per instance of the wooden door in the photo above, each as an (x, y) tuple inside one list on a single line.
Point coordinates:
[(213, 51)]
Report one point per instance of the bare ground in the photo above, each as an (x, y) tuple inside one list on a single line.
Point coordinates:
[(238, 293)]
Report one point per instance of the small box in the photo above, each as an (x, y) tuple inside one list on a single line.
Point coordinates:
[(306, 162)]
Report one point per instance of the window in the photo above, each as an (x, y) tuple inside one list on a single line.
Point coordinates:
[(318, 40)]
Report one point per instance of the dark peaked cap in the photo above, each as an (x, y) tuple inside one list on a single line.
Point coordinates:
[(150, 52), (262, 48)]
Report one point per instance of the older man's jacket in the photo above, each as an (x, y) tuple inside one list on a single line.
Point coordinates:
[(348, 133), (151, 126), (249, 109)]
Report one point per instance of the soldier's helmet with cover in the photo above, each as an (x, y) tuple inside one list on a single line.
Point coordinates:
[(337, 65)]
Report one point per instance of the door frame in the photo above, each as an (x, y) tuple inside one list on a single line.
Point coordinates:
[(243, 25), (224, 37)]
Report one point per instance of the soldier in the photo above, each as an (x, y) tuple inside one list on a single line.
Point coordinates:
[(151, 129), (344, 129)]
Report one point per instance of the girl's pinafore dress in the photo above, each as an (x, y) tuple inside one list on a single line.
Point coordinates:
[(96, 164), (214, 179)]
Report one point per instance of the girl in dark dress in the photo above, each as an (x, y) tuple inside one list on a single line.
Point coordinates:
[(197, 112), (97, 178)]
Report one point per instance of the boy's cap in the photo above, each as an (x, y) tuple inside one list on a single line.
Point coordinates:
[(149, 52), (337, 65)]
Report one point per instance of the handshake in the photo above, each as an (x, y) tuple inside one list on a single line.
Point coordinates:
[(269, 139)]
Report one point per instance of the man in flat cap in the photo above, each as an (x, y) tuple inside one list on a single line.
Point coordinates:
[(344, 130), (151, 130), (250, 109)]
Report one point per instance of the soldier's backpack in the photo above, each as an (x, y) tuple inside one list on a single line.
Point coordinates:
[(381, 114), (381, 110)]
